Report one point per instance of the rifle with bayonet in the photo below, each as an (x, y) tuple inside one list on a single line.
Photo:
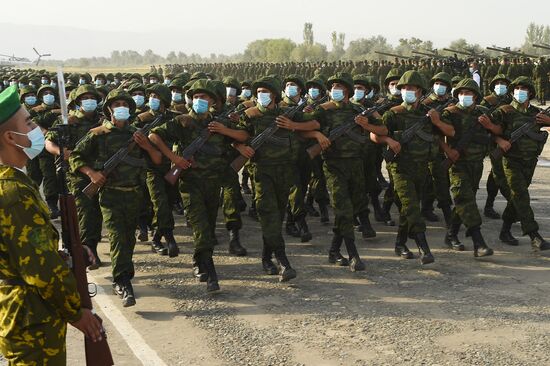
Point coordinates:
[(114, 161), (525, 130), (266, 134), (346, 128), (416, 129), (174, 174), (97, 353), (392, 55), (466, 139)]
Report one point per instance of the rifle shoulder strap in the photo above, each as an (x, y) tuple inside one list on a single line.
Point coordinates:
[(185, 120), (145, 117), (328, 106), (507, 108), (491, 99), (253, 112), (453, 109), (100, 130)]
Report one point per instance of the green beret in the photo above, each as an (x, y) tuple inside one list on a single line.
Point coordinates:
[(342, 78), (412, 77), (9, 104), (468, 84), (118, 94)]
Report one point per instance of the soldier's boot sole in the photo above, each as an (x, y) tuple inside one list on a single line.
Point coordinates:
[(338, 259)]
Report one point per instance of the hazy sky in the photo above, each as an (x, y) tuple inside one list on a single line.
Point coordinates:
[(88, 28)]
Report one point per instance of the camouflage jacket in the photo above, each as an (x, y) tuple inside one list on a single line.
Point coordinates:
[(28, 253)]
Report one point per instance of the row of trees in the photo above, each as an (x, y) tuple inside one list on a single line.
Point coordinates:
[(283, 50)]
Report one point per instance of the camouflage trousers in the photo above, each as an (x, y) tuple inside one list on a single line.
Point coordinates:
[(36, 345), (465, 177), (370, 169), (201, 197), (42, 171), (318, 183), (231, 191), (90, 219), (408, 177), (437, 185), (497, 180), (298, 191), (272, 185), (162, 197), (346, 183), (519, 174), (120, 208)]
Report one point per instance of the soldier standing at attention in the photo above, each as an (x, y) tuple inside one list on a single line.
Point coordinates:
[(38, 294), (121, 193), (410, 167)]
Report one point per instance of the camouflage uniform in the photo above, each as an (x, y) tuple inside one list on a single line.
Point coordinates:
[(38, 294)]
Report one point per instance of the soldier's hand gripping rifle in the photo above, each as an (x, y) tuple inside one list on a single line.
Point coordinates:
[(114, 161), (262, 137), (345, 128), (97, 353), (416, 129), (525, 130), (174, 174), (466, 139)]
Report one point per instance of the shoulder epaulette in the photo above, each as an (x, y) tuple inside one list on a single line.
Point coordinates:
[(328, 106), (398, 109), (253, 112), (100, 130)]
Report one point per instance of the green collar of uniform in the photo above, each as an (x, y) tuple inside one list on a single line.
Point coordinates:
[(466, 109), (289, 102), (195, 116), (408, 107), (12, 173), (518, 107), (111, 126), (264, 110), (394, 98)]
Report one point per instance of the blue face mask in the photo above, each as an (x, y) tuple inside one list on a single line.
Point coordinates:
[(176, 97), (370, 95), (99, 82), (139, 99), (359, 94), (313, 93), (264, 99), (88, 105), (21, 85), (246, 93), (53, 84), (409, 96), (154, 103), (36, 137), (501, 89), (44, 81), (200, 106), (30, 100), (48, 99), (167, 81), (521, 95), (466, 100), (291, 91), (440, 89), (121, 113), (82, 81), (337, 94)]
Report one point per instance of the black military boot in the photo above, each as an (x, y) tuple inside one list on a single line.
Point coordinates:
[(286, 272), (143, 235), (199, 272), (156, 244), (447, 214), (123, 288), (367, 230), (308, 205), (355, 262), (244, 185), (426, 256), (401, 249), (537, 242), (303, 229), (212, 277), (490, 212), (178, 208), (451, 238), (506, 236), (378, 212), (480, 247), (252, 213), (173, 249), (334, 255), (323, 211), (267, 263), (54, 210), (429, 214), (387, 216), (235, 246), (291, 228), (93, 248)]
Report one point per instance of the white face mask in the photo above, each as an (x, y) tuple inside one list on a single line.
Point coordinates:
[(394, 90), (465, 100), (231, 92), (36, 137)]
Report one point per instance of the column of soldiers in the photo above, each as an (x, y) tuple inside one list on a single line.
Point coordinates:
[(433, 123)]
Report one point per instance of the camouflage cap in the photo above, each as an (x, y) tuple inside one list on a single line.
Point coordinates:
[(118, 94), (316, 82), (441, 77), (499, 77), (362, 79), (162, 91), (246, 84), (411, 77), (231, 82), (133, 87), (467, 84), (455, 80), (524, 81), (44, 88), (219, 87), (393, 74), (373, 83), (177, 83), (86, 89), (9, 104), (26, 90), (298, 80), (341, 78), (198, 75), (268, 82)]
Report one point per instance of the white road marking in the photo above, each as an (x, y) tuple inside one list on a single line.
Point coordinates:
[(131, 336)]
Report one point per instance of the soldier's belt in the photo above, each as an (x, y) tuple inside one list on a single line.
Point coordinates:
[(123, 189)]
